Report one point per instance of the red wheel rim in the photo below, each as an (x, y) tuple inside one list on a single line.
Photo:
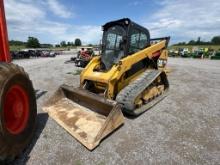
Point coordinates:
[(16, 109)]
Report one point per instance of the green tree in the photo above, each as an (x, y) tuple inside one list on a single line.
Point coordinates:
[(33, 42), (17, 43), (69, 43), (181, 43), (216, 40), (78, 42), (63, 44), (198, 41), (46, 45), (72, 44), (192, 42)]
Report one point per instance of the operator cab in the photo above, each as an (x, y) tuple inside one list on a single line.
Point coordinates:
[(120, 39)]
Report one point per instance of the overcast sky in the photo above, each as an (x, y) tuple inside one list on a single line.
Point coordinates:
[(55, 20)]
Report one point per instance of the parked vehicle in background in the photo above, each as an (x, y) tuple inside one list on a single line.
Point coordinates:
[(184, 52), (38, 53), (48, 54), (83, 57), (215, 56), (52, 54), (13, 54), (201, 53), (45, 53), (27, 53), (32, 53), (173, 53), (22, 54)]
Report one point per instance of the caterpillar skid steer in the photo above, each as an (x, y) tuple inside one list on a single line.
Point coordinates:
[(18, 109), (128, 76)]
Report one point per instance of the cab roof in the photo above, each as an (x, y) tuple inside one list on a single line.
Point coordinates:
[(125, 22)]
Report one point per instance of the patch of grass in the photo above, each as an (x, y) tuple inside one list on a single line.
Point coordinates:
[(78, 162), (77, 72), (101, 163), (16, 48), (176, 47)]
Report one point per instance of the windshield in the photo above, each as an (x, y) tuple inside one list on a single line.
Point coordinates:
[(112, 51)]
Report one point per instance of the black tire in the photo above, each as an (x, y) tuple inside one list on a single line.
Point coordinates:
[(12, 144)]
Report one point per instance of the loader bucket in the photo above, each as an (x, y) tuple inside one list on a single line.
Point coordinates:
[(86, 116)]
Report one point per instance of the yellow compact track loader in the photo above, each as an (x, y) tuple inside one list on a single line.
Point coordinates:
[(128, 76)]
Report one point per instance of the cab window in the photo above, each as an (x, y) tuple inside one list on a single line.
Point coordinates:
[(138, 41), (134, 41), (143, 40)]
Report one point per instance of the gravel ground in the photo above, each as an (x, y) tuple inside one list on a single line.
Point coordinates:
[(182, 129)]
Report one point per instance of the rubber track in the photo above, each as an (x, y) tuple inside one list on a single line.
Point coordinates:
[(127, 96)]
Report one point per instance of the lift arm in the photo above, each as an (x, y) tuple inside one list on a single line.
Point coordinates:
[(4, 45)]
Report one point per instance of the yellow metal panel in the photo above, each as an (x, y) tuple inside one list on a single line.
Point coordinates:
[(112, 76)]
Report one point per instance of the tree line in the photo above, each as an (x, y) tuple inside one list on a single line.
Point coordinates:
[(33, 42), (67, 44), (214, 41)]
